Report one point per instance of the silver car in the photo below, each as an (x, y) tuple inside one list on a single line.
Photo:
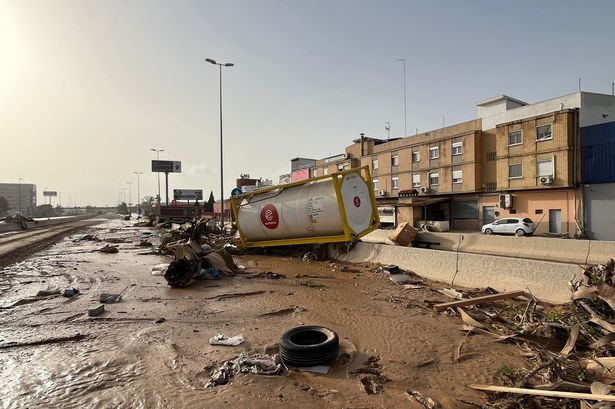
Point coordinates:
[(519, 226)]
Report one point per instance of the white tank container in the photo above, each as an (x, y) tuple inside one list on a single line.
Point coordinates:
[(310, 210)]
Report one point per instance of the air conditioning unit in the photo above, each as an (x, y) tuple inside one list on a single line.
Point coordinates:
[(382, 192), (546, 180), (506, 201), (424, 189)]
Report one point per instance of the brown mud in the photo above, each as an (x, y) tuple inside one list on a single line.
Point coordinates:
[(129, 357)]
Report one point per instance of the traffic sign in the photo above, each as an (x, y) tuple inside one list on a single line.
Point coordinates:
[(236, 192), (188, 194), (166, 166)]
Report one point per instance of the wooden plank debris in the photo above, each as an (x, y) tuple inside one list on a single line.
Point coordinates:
[(537, 392), (478, 300)]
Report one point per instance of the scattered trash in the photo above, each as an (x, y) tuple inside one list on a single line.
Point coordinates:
[(145, 243), (321, 369), (85, 237), (222, 339), (255, 364), (426, 401), (48, 292), (267, 274), (284, 311), (371, 379), (69, 292), (399, 278), (452, 293), (472, 301), (109, 298), (94, 312), (160, 320), (310, 283), (108, 249), (159, 269)]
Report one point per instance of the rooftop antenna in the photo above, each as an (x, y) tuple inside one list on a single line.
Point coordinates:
[(442, 120), (613, 88), (579, 84), (387, 128)]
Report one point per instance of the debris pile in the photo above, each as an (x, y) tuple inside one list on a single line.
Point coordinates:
[(570, 348), (194, 255), (255, 364)]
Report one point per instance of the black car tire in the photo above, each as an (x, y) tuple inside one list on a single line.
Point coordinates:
[(488, 231), (309, 346), (520, 232)]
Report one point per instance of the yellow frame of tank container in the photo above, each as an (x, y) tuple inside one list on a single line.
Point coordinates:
[(337, 185)]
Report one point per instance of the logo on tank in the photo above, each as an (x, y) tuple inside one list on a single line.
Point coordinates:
[(357, 201), (269, 217)]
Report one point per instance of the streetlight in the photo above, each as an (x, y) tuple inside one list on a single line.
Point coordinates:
[(19, 183), (138, 190), (158, 158), (220, 65), (129, 196), (403, 60)]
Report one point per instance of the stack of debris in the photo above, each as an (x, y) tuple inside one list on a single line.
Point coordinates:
[(570, 348), (194, 256)]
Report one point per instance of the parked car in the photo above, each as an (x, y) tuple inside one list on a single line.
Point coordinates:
[(519, 226)]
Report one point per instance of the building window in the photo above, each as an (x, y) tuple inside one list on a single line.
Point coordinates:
[(515, 138), (434, 179), (491, 155), (515, 171), (545, 167), (543, 132), (416, 157), (374, 164), (457, 176), (434, 153), (395, 182), (416, 180), (375, 183), (491, 186), (395, 160), (457, 148), (325, 171)]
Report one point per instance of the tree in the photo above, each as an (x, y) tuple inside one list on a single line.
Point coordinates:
[(122, 208), (4, 204), (209, 206)]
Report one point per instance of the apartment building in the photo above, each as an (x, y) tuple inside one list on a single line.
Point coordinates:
[(20, 196), (514, 159)]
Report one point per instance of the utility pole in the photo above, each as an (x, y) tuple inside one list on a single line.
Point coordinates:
[(158, 158), (138, 189), (129, 197), (220, 65), (403, 60), (19, 183)]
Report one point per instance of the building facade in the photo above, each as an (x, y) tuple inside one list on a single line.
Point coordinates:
[(20, 196), (552, 161)]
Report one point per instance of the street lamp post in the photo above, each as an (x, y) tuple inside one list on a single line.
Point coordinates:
[(403, 60), (220, 65), (158, 158), (129, 196), (19, 184), (138, 190)]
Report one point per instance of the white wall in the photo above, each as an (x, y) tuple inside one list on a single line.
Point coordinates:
[(528, 111)]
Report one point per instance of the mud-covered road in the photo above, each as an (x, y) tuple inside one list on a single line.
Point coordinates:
[(150, 350)]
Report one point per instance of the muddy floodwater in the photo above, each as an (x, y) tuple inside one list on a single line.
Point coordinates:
[(151, 350)]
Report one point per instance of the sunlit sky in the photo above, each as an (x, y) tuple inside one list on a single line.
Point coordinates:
[(88, 87)]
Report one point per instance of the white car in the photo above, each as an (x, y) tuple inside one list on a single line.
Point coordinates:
[(519, 226)]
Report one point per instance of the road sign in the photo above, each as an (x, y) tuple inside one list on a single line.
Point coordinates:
[(236, 192), (166, 166), (187, 194), (50, 193)]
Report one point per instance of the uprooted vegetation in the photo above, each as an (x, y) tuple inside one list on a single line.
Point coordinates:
[(570, 349)]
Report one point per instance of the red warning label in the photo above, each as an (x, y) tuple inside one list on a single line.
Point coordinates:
[(269, 217), (357, 201)]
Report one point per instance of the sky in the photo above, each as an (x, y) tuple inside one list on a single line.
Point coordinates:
[(88, 87)]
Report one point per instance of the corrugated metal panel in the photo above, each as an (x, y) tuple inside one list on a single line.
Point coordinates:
[(598, 153), (598, 203)]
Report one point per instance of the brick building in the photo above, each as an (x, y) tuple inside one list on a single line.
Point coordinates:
[(513, 159)]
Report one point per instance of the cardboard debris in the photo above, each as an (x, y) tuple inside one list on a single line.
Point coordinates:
[(404, 234)]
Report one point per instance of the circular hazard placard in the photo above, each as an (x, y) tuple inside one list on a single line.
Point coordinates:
[(269, 217)]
